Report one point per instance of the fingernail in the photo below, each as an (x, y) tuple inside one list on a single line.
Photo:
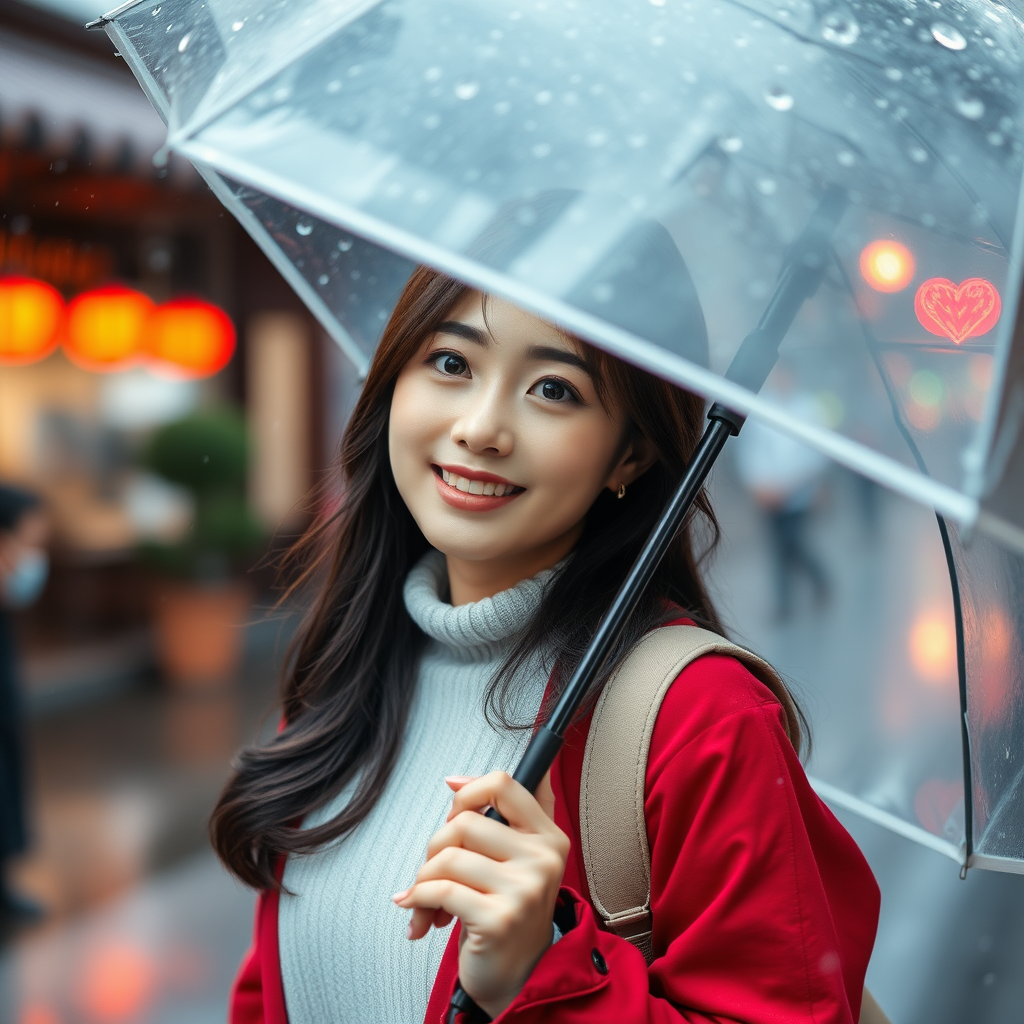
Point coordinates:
[(457, 779), (399, 896), (408, 932)]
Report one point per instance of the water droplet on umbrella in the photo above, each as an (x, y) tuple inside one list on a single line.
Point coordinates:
[(304, 228), (541, 150), (183, 45), (467, 90), (156, 11), (893, 74), (995, 138), (730, 144), (345, 244), (432, 74), (928, 220), (603, 292), (543, 97), (431, 121), (657, 3), (845, 158), (597, 137), (334, 86), (989, 979), (322, 279), (840, 29), (918, 154), (947, 36), (778, 99), (637, 141), (502, 107), (970, 107), (766, 186), (237, 26)]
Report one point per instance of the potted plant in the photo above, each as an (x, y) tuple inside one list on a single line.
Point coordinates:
[(202, 603)]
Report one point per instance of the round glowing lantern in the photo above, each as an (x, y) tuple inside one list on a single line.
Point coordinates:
[(106, 328), (190, 338), (887, 265), (30, 319)]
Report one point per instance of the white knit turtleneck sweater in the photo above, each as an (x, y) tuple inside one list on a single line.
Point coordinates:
[(344, 955)]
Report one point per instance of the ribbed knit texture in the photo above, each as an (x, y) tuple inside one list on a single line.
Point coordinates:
[(344, 955)]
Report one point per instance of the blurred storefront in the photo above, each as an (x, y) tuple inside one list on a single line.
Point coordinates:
[(105, 234)]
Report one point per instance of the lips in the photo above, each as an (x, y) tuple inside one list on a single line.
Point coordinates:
[(474, 490)]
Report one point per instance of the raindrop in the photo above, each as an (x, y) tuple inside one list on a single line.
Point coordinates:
[(928, 220), (947, 36), (467, 90), (237, 26), (637, 141), (970, 107), (893, 74), (322, 280), (334, 86), (657, 3), (304, 228), (766, 186), (431, 121), (845, 158), (156, 11), (345, 244), (918, 154), (432, 74), (741, 42), (503, 107), (543, 97), (995, 138), (730, 144), (183, 45), (541, 150), (881, 102), (840, 29), (597, 137), (778, 99)]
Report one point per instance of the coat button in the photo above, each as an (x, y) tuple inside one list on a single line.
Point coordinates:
[(600, 964)]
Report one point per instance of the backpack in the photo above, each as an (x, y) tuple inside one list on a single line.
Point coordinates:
[(613, 832)]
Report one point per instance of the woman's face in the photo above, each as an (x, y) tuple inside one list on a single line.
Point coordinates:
[(499, 444)]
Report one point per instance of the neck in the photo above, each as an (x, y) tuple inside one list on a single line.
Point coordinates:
[(470, 580)]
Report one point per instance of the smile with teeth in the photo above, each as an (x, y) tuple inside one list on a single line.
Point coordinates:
[(488, 487)]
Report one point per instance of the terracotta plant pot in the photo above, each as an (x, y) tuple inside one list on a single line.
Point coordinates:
[(199, 630)]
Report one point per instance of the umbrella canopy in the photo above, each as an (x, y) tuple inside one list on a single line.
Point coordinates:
[(354, 138)]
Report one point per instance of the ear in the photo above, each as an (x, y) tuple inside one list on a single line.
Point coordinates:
[(638, 457)]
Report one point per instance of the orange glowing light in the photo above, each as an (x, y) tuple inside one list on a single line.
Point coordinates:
[(190, 338), (886, 265), (30, 318), (118, 983), (106, 327), (933, 647)]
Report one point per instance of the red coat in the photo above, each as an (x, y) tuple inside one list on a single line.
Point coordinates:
[(764, 909)]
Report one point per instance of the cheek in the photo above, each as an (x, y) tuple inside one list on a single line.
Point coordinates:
[(574, 460), (409, 429)]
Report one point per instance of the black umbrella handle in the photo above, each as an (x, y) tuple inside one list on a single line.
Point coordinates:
[(799, 279)]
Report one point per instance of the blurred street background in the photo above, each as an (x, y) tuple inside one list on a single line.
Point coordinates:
[(154, 650)]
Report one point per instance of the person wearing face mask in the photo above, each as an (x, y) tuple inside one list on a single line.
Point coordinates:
[(24, 565)]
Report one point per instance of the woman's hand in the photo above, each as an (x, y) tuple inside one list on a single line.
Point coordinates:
[(501, 881)]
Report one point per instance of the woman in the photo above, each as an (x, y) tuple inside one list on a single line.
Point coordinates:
[(499, 479)]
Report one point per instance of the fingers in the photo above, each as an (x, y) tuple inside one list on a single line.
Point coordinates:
[(451, 897), (474, 832), (497, 789)]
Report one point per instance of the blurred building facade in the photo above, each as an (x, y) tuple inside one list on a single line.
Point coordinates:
[(83, 206)]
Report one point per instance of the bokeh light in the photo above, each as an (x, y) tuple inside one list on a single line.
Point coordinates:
[(887, 265), (106, 327), (190, 338), (933, 646), (118, 982), (30, 319)]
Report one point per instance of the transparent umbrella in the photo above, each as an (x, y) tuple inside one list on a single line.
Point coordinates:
[(354, 138)]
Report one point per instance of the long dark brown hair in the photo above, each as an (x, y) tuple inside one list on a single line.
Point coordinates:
[(352, 666)]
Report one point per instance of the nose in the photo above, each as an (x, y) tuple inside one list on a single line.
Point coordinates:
[(483, 425)]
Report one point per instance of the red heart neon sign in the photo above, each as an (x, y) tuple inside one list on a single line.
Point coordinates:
[(957, 311)]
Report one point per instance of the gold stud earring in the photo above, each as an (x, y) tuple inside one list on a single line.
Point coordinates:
[(622, 491)]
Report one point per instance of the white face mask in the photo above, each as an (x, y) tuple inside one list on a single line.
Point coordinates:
[(25, 582)]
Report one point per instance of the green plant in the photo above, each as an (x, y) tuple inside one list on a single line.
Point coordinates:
[(208, 454)]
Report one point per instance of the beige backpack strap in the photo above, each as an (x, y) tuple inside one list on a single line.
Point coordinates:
[(613, 831)]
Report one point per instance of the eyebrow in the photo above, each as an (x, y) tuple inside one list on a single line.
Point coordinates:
[(461, 330), (559, 355)]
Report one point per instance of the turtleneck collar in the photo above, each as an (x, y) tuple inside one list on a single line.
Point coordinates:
[(477, 631)]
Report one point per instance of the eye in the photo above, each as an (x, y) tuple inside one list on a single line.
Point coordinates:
[(450, 364), (554, 390)]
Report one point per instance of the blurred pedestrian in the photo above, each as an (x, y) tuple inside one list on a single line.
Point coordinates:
[(785, 478), (24, 565)]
